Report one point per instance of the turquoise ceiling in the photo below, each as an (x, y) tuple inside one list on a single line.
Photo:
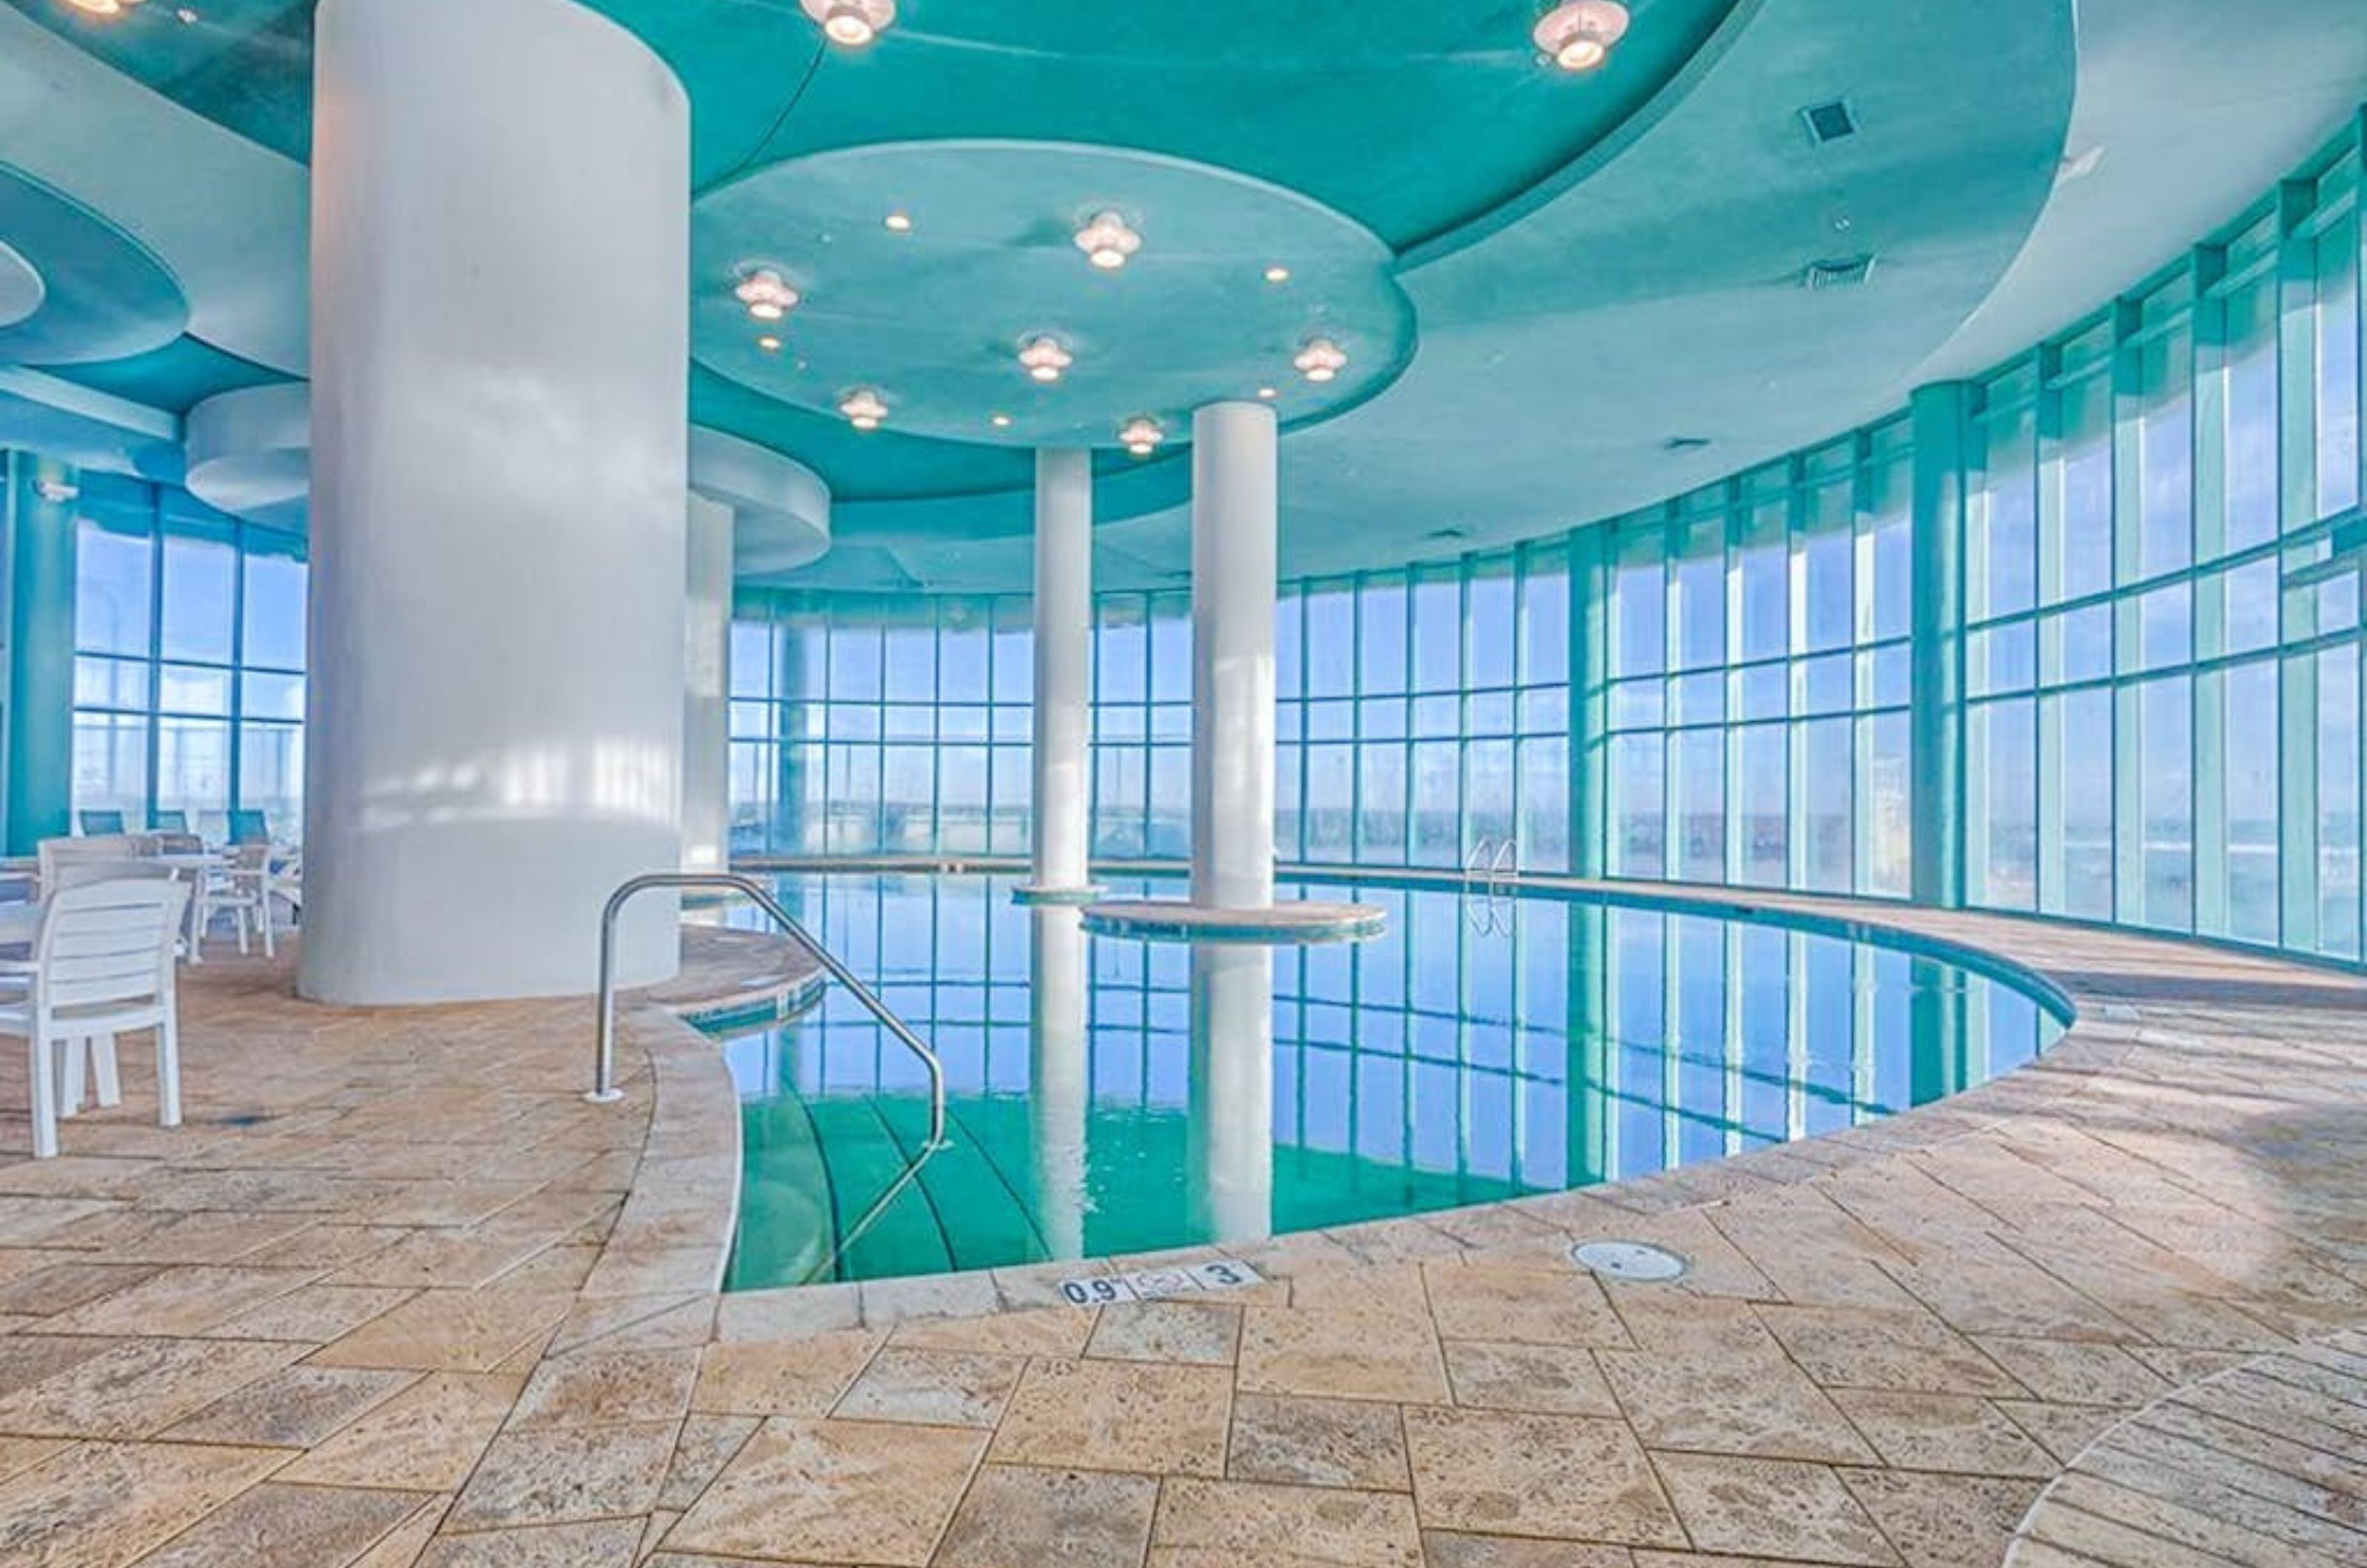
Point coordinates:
[(1410, 115), (933, 314), (83, 289)]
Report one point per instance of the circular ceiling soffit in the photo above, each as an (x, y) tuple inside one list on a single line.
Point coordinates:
[(933, 315), (250, 453), (21, 288), (780, 507), (98, 293)]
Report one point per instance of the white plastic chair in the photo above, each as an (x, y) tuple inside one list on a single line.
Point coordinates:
[(102, 966), (242, 890)]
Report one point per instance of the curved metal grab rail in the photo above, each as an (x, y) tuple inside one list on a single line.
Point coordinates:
[(604, 1071)]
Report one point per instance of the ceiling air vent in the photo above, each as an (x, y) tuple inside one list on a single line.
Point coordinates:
[(1451, 532), (1684, 443), (1830, 122), (1844, 272)]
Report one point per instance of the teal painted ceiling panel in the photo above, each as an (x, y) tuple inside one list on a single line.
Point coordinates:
[(175, 378), (1410, 115), (933, 316)]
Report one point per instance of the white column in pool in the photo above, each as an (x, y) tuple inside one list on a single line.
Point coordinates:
[(500, 288), (1234, 513), (706, 690), (1231, 1177), (1058, 1085), (1064, 650)]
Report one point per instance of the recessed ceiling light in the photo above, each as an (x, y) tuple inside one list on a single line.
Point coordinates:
[(1000, 421), (1107, 241), (1269, 393), (1142, 434), (863, 409), (852, 24), (900, 223), (1321, 360), (187, 17), (769, 344), (1577, 36), (1277, 275), (1045, 360), (102, 7), (767, 294)]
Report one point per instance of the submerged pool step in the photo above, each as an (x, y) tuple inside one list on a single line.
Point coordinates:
[(977, 1192), (785, 1224), (864, 1158)]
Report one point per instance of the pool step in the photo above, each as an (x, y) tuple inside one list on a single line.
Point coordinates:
[(786, 1225), (979, 1200), (865, 1159)]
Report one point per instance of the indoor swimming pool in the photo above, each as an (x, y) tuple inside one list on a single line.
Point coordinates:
[(1110, 1096)]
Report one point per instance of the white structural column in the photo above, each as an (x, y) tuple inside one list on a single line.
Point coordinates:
[(706, 690), (500, 320), (1064, 648), (1234, 484), (1059, 1080), (1229, 1175)]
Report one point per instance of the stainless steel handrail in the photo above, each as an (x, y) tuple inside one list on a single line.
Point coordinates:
[(604, 1071)]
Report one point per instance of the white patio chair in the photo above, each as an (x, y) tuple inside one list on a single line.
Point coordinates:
[(242, 890), (102, 966)]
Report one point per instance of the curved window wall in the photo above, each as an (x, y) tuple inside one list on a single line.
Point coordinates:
[(2142, 623)]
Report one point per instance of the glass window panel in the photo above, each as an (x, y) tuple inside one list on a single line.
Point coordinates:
[(2003, 529), (1700, 598), (1639, 804), (2250, 825), (2165, 454), (1827, 772), (1492, 622), (114, 590), (2338, 801), (110, 764), (274, 612), (2003, 743), (200, 588), (1381, 804), (2084, 471), (193, 771), (2080, 757), (2166, 774), (2338, 365), (2250, 454), (1436, 825), (271, 774), (1889, 824), (1544, 618), (111, 683), (183, 688), (1699, 793), (1640, 610), (1438, 632), (1762, 776), (263, 694), (1171, 648)]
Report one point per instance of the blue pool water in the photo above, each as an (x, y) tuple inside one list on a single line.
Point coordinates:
[(1113, 1096)]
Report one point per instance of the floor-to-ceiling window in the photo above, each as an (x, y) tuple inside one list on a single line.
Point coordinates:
[(189, 660), (2162, 694), (1757, 727)]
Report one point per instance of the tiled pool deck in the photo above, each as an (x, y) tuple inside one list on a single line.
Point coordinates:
[(397, 1295)]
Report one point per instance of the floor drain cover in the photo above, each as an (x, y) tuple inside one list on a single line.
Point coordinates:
[(1628, 1259)]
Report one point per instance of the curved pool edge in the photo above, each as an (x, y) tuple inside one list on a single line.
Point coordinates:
[(2100, 1025)]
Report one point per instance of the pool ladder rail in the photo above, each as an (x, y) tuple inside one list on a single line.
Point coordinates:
[(603, 1089), (1494, 864)]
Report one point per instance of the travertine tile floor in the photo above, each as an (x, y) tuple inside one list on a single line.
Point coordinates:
[(397, 1296)]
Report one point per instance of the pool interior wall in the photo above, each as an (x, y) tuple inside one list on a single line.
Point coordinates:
[(1114, 1097)]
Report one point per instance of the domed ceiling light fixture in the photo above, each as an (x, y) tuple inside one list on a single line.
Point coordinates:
[(1321, 360), (852, 24), (1045, 360), (863, 409), (767, 295), (1579, 35), (103, 8), (1107, 243), (1142, 436)]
